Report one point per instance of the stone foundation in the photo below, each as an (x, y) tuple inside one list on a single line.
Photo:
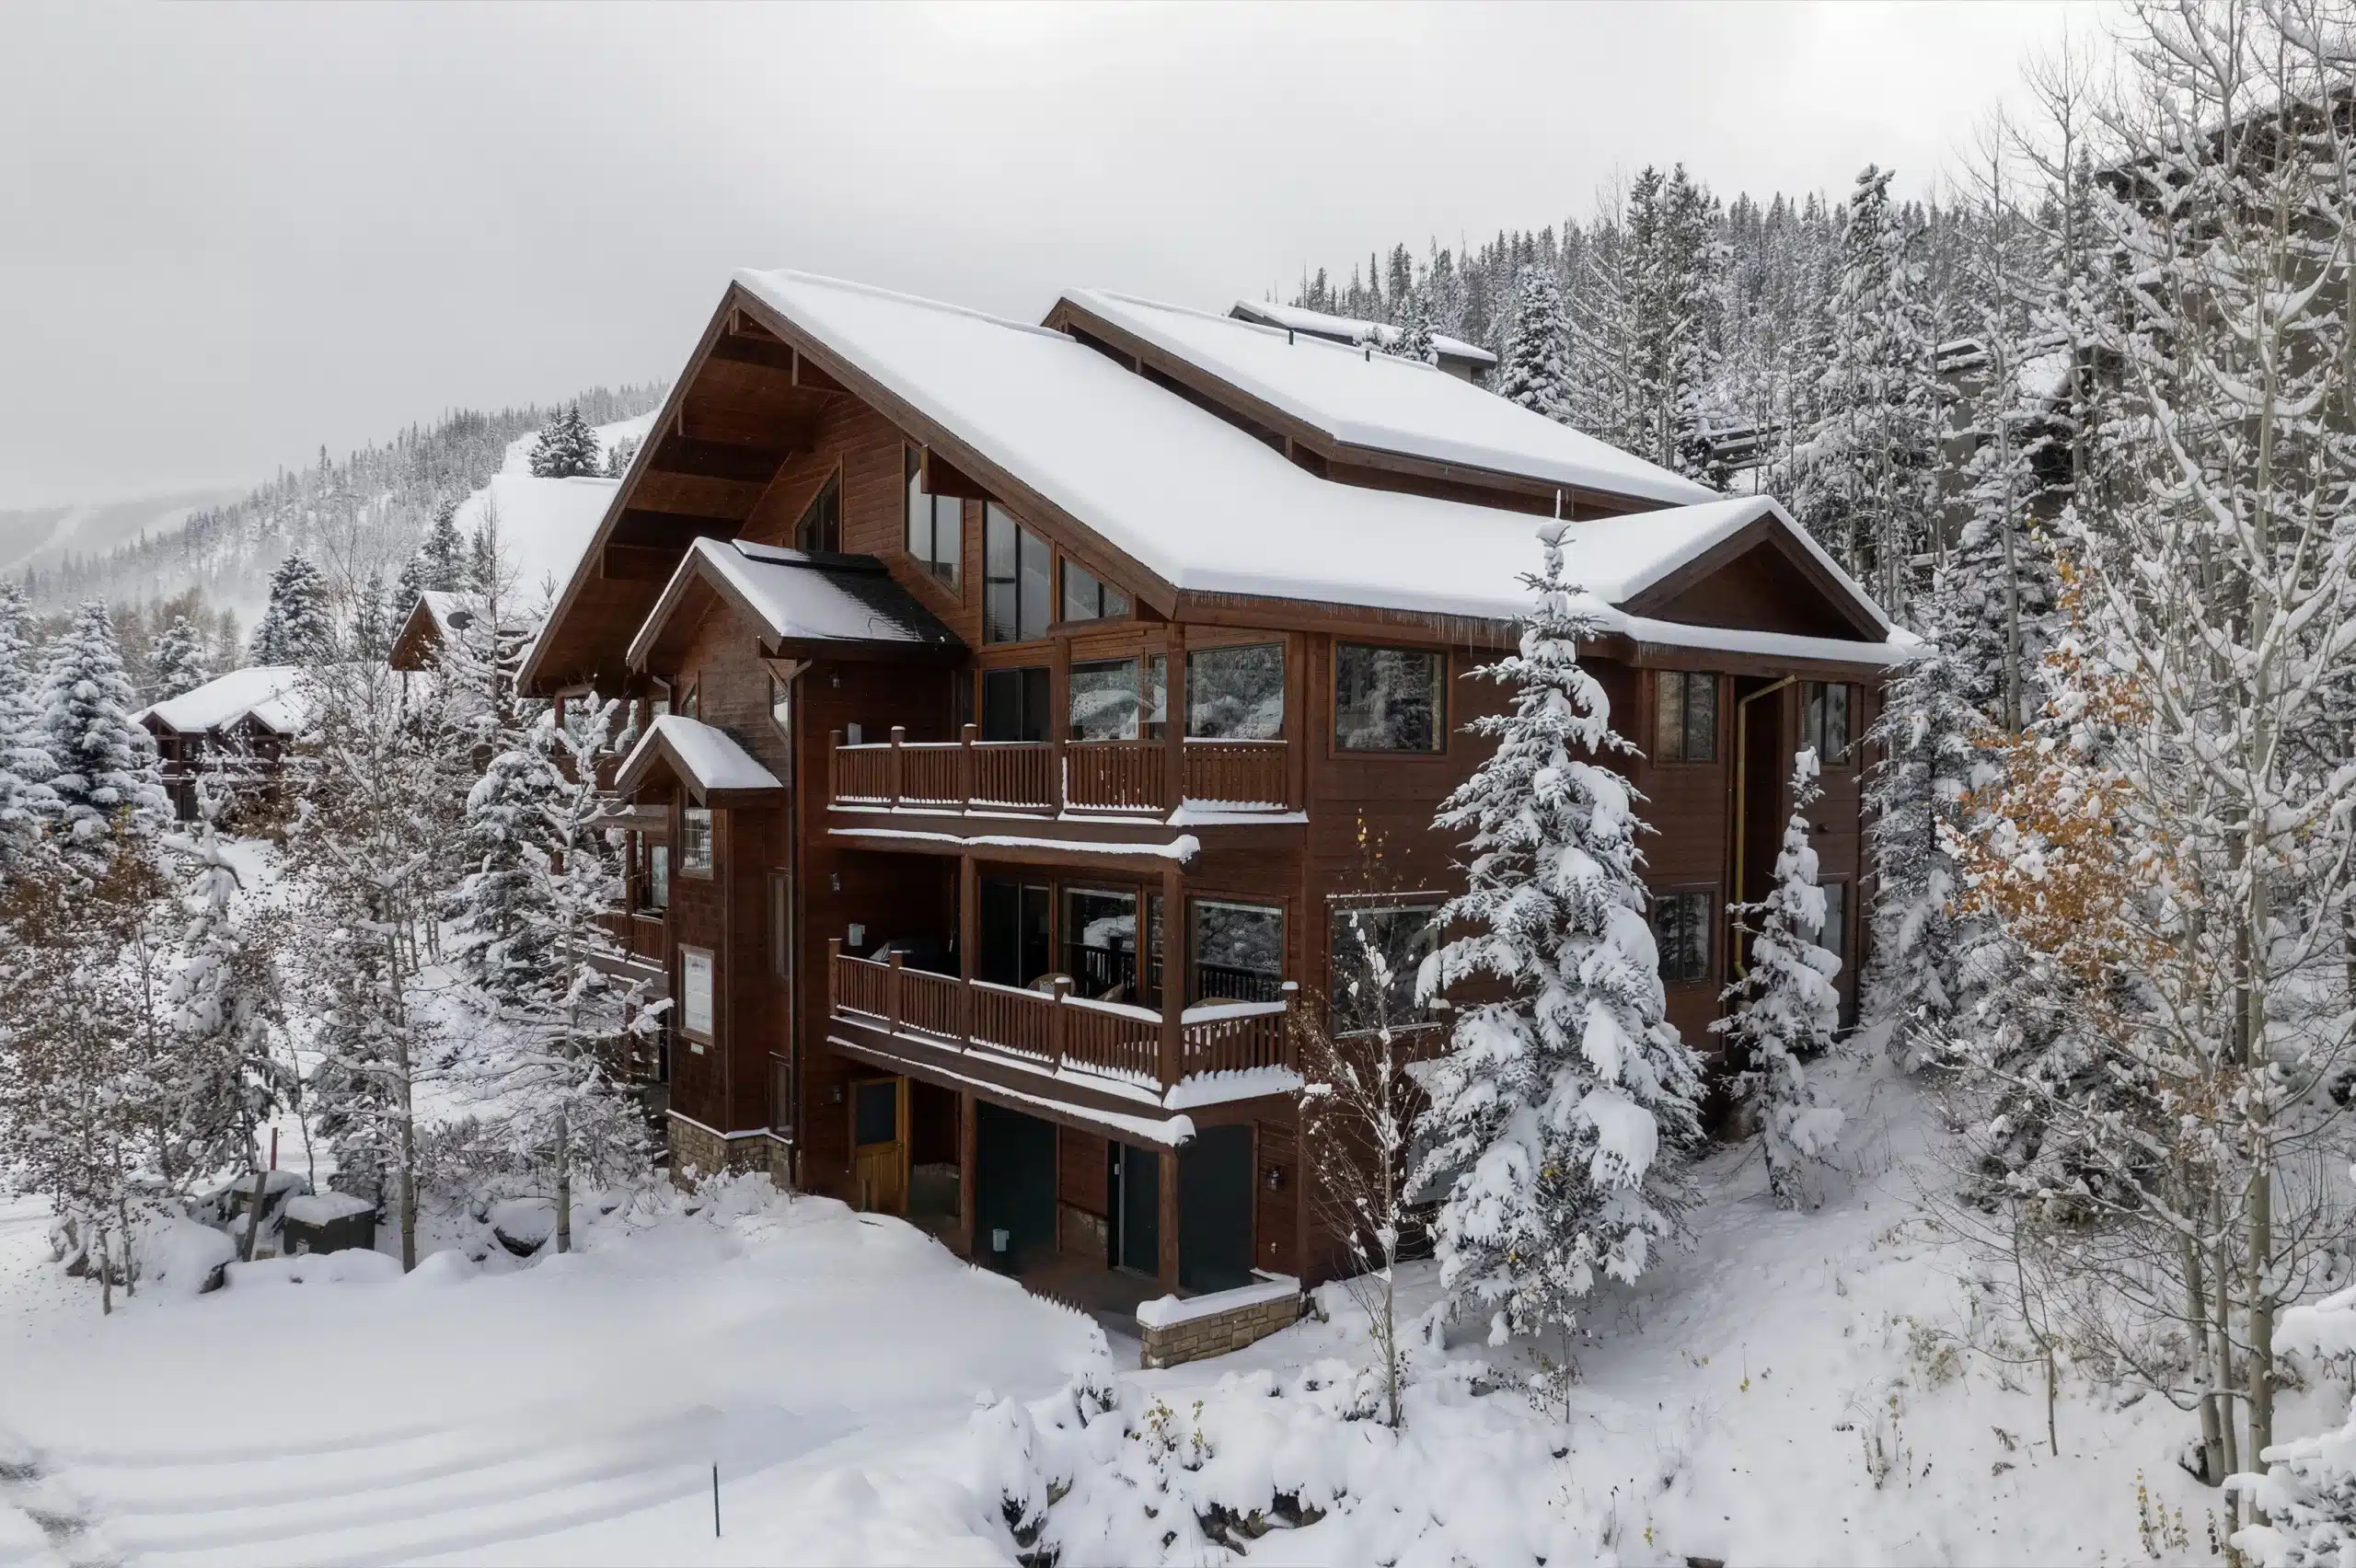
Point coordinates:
[(696, 1150), (781, 1163), (1174, 1331)]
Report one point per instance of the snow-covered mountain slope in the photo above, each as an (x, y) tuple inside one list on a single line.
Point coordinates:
[(46, 536)]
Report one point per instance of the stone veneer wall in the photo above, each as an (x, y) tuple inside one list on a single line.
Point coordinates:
[(1217, 1333), (696, 1150)]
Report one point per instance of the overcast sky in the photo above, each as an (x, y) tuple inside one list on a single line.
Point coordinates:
[(231, 234)]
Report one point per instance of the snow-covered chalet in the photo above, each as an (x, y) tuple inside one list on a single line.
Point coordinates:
[(1013, 698)]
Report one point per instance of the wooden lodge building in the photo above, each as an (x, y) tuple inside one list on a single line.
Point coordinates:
[(1013, 698)]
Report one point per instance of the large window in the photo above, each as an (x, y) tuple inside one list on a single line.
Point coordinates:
[(1014, 704), (936, 526), (780, 926), (1104, 700), (1236, 693), (1101, 943), (1400, 936), (1388, 699), (1088, 597), (1824, 721), (695, 994), (1685, 717), (1018, 579), (695, 841), (1834, 936), (1239, 951), (820, 527), (654, 869), (1681, 925)]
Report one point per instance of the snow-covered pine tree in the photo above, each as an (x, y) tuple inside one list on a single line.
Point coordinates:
[(439, 564), (1562, 1111), (27, 803), (371, 622), (1415, 339), (494, 910), (619, 455), (108, 777), (567, 447), (1930, 738), (1784, 1008), (1534, 372), (178, 663), (1671, 235), (295, 628)]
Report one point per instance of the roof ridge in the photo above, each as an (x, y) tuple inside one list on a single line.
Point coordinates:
[(1291, 335), (899, 298)]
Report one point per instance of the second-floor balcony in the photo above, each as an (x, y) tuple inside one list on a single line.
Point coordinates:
[(1053, 777)]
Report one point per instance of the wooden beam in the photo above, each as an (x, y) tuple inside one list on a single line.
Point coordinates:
[(638, 563), (943, 478), (719, 459), (808, 373), (766, 352), (644, 521)]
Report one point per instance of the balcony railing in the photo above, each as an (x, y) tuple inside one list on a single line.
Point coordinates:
[(1055, 1028), (970, 774)]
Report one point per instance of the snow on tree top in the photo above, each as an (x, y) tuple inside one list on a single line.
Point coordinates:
[(1389, 404), (1209, 509), (1319, 323), (227, 699)]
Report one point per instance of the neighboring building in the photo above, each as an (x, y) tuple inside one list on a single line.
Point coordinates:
[(1466, 361), (544, 524), (236, 725), (1012, 698)]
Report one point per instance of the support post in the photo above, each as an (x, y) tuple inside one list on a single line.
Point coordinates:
[(891, 992), (969, 937), (1062, 989), (899, 738), (1172, 1162), (968, 1174), (834, 764), (1284, 1052), (834, 974), (1174, 974), (1173, 721), (965, 738)]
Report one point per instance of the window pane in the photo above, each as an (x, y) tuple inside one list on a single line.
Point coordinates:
[(1236, 692), (820, 527), (1386, 698), (1083, 594), (1001, 588), (1104, 700), (1835, 937), (1836, 725), (948, 537), (658, 876), (1014, 704), (1101, 943), (1239, 951), (1156, 697), (695, 840), (1038, 584), (695, 992), (1668, 717), (781, 705), (1701, 718), (920, 508), (1403, 937)]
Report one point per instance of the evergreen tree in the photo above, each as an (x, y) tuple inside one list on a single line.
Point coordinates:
[(1671, 233), (619, 455), (1560, 1112), (1784, 1008), (1534, 372), (177, 664), (438, 566), (372, 623), (1415, 338), (26, 802), (498, 910), (295, 628), (566, 447), (108, 777)]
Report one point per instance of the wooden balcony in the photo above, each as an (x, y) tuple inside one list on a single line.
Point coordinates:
[(1054, 776), (1056, 1029)]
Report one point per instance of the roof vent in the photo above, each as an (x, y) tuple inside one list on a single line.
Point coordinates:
[(1288, 337)]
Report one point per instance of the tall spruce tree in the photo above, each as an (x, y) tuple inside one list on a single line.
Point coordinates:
[(1784, 1008), (178, 663), (567, 447), (295, 628), (1534, 372), (1561, 1114), (26, 802), (108, 778)]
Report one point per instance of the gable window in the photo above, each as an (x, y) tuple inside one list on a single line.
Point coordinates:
[(695, 994), (1014, 704), (695, 841), (1685, 717), (820, 527), (782, 704), (1824, 721), (1388, 699), (1681, 924), (1236, 693), (1401, 935), (1104, 700), (936, 526), (1088, 597), (1018, 572), (658, 878), (691, 703)]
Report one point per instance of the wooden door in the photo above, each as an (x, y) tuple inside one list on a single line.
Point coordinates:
[(879, 1138)]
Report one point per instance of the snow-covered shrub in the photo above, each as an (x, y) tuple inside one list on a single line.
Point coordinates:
[(2309, 1488)]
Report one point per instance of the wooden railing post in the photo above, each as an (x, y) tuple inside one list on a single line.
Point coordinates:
[(834, 970), (1284, 1052), (969, 929), (891, 993), (1174, 977), (1062, 984), (1173, 720), (898, 778), (834, 764), (965, 738)]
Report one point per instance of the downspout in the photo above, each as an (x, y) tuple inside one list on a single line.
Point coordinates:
[(1742, 805)]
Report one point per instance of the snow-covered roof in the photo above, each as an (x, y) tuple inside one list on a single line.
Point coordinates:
[(225, 699), (800, 597), (1385, 403), (544, 527), (707, 759), (1350, 329), (1208, 509), (444, 607)]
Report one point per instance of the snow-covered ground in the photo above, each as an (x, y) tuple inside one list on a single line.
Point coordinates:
[(1782, 1393)]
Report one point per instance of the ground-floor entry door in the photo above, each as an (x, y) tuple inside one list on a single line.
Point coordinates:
[(1133, 1177), (879, 1123), (1014, 1180), (1215, 1209)]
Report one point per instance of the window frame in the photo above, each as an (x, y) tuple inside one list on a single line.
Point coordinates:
[(832, 485), (1814, 713), (1196, 902), (1684, 680), (1065, 565), (954, 515), (991, 512), (1283, 685), (684, 864), (710, 1033), (1439, 746), (1339, 912), (1707, 895), (781, 706), (1139, 695)]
